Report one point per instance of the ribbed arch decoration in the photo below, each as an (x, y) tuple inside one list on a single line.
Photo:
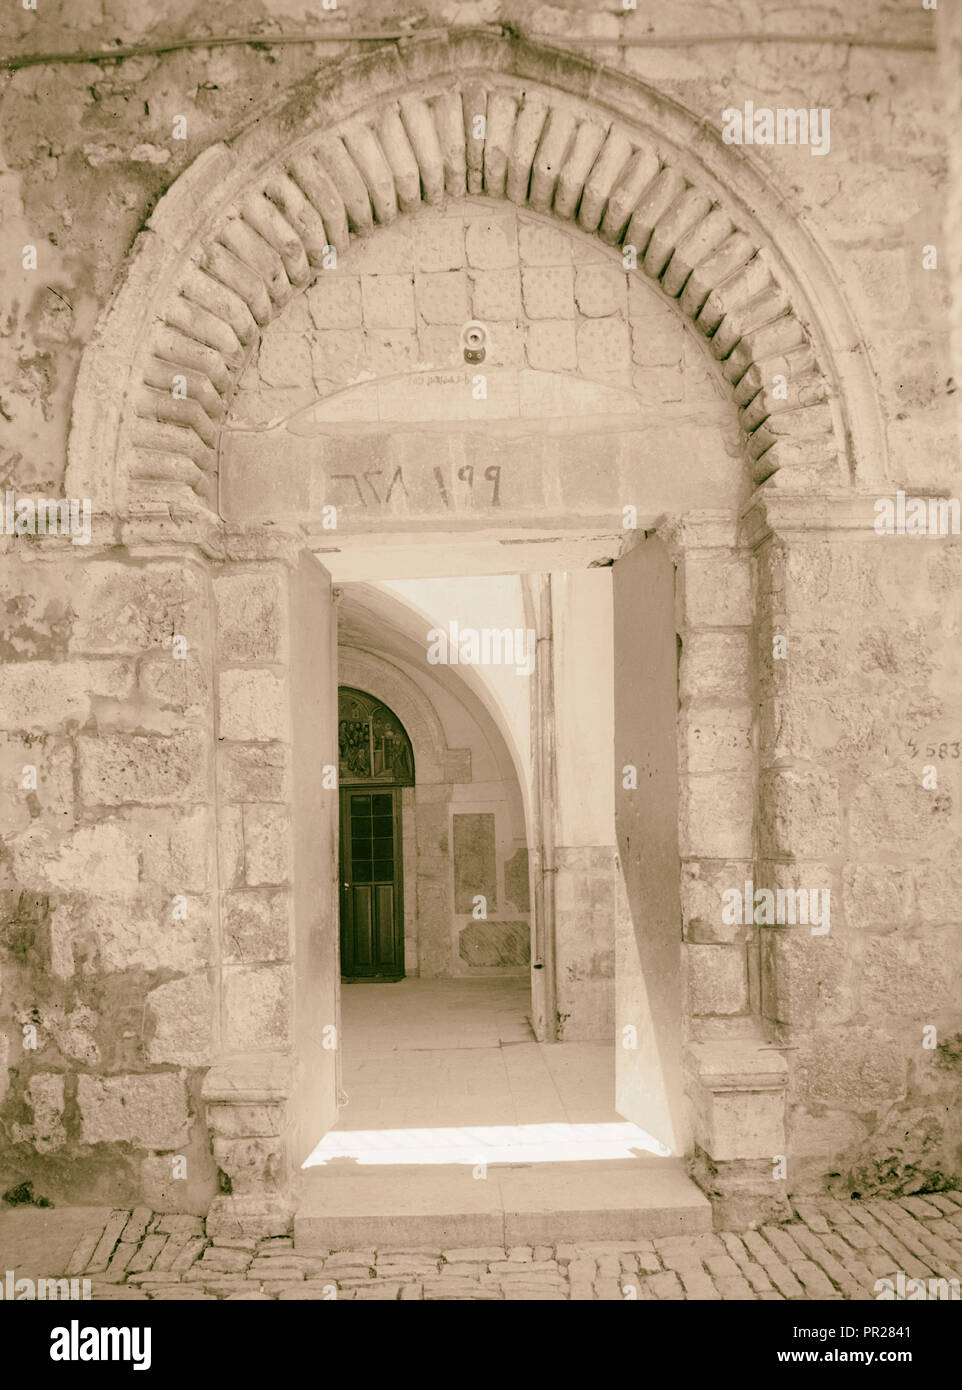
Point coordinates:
[(265, 222)]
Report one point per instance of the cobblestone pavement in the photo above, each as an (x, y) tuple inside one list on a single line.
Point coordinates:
[(830, 1249)]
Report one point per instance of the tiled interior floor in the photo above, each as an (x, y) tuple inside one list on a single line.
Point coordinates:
[(462, 1052), (436, 1061)]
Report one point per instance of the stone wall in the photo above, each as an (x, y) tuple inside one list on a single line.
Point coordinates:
[(109, 874), (84, 170), (860, 758), (113, 892)]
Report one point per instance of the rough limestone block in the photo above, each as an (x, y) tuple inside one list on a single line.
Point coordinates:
[(738, 1094), (267, 845), (334, 301), (174, 684), (284, 359), (936, 892), (541, 244), (116, 768), (256, 927), (257, 1006), (702, 832), (743, 1125), (46, 1132), (254, 1165), (806, 980), (892, 810), (253, 706), (825, 1133), (442, 296), (338, 355), (148, 1111), (491, 244), (254, 772), (703, 886), (245, 1120), (717, 740), (251, 622), (799, 813), (851, 1069), (717, 979), (438, 244), (875, 897), (173, 846), (716, 590), (388, 301), (47, 695), (551, 345), (715, 667), (601, 290), (166, 932), (104, 855), (548, 292), (496, 294), (181, 1013), (134, 608), (604, 346), (51, 803), (916, 977)]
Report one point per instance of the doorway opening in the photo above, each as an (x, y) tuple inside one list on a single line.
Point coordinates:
[(451, 1066)]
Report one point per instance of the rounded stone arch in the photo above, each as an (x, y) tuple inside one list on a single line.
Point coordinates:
[(250, 223), (380, 677)]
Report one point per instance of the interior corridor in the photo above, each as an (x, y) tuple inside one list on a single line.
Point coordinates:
[(449, 1071)]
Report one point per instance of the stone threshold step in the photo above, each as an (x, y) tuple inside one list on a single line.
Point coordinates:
[(444, 1207)]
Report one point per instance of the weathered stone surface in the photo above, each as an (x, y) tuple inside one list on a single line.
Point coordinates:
[(250, 618), (118, 768), (134, 608), (181, 1014), (257, 926), (253, 706), (267, 845), (255, 772), (870, 624), (148, 1111), (45, 1095), (717, 979), (173, 933), (257, 1001)]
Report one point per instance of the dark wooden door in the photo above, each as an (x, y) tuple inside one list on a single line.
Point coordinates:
[(372, 911)]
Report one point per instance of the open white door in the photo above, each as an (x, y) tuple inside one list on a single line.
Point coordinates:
[(648, 1002), (313, 639)]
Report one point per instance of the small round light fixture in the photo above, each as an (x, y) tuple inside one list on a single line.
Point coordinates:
[(474, 339)]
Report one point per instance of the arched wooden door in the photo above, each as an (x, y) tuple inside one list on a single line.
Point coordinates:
[(375, 763)]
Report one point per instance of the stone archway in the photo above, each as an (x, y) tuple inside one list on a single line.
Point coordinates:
[(243, 231), (252, 223)]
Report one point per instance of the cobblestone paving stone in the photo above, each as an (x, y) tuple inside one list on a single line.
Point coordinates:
[(829, 1250)]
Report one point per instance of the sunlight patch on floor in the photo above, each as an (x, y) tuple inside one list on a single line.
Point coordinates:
[(553, 1143)]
